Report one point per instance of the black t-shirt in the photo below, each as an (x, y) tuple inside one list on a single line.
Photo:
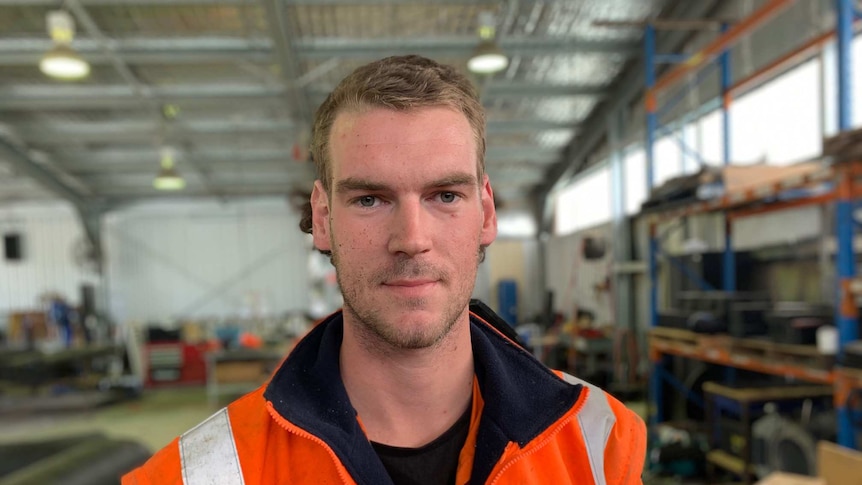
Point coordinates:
[(433, 464)]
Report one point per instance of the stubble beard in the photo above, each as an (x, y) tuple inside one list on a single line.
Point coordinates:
[(373, 329)]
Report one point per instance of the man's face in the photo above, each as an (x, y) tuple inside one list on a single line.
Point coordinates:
[(404, 220)]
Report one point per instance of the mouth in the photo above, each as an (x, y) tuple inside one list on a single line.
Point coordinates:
[(411, 288), (410, 283)]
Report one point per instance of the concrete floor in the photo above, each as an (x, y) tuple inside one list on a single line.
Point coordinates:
[(154, 420)]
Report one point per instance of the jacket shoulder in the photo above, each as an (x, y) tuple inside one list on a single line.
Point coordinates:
[(625, 453), (201, 444), (615, 436)]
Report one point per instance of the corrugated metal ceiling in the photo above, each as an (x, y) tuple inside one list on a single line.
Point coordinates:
[(240, 78)]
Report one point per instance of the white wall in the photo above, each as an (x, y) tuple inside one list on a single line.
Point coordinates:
[(204, 259), (573, 279), (50, 232), (515, 259)]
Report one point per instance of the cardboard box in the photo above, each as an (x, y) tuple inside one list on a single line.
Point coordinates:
[(240, 371), (781, 478), (839, 465)]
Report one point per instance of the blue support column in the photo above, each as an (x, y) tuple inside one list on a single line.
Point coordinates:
[(651, 103), (729, 283), (658, 366), (651, 128), (729, 257), (844, 37), (845, 259)]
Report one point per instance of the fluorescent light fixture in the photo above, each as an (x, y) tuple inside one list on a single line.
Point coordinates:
[(487, 58), (62, 62), (168, 178)]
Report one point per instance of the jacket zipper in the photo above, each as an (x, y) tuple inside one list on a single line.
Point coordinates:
[(291, 428), (560, 425)]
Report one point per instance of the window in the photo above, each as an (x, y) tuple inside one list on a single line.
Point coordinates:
[(778, 123), (634, 165), (585, 203)]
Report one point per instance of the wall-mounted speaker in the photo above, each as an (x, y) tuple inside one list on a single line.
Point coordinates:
[(12, 247)]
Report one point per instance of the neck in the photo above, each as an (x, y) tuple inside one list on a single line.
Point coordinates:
[(408, 397)]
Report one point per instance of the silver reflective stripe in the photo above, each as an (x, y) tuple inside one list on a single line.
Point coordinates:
[(208, 453), (596, 419)]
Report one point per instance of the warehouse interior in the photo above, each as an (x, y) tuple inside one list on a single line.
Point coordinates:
[(677, 185)]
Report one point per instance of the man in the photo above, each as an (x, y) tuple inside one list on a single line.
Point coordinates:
[(406, 385)]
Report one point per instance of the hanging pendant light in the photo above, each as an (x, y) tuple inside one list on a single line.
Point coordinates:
[(488, 58), (62, 62), (168, 177)]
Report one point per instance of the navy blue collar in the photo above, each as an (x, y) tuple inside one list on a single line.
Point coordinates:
[(307, 391)]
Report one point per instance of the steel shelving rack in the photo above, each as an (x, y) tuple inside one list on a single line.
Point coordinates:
[(846, 188)]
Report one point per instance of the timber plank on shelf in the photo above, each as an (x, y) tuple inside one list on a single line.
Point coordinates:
[(794, 362)]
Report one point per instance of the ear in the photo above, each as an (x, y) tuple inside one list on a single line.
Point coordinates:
[(320, 217), (489, 222)]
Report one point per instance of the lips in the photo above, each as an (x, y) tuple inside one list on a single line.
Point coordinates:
[(409, 283), (420, 288)]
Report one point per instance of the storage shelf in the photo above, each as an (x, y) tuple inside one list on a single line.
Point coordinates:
[(758, 199), (775, 359), (704, 349), (728, 462)]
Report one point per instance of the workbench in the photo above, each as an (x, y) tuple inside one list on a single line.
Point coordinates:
[(718, 397)]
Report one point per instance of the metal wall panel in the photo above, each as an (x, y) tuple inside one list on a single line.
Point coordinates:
[(50, 233), (200, 260)]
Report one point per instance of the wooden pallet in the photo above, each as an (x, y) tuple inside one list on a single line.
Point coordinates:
[(803, 355), (686, 337), (798, 361)]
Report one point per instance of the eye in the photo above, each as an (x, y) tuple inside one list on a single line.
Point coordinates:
[(448, 197), (367, 200)]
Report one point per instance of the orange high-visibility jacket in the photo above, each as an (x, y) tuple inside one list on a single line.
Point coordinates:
[(530, 425)]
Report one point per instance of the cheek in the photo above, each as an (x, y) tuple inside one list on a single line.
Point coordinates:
[(353, 236)]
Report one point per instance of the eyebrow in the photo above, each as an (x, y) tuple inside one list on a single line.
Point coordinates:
[(353, 184)]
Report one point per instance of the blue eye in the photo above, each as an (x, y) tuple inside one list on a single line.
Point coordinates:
[(447, 197), (367, 201)]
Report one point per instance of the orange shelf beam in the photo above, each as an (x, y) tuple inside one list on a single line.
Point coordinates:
[(742, 203), (778, 206), (769, 10), (756, 364), (799, 53)]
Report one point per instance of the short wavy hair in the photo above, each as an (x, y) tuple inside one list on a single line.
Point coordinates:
[(399, 83)]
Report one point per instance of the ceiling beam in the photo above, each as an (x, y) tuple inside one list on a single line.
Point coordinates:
[(20, 159), (523, 89), (150, 131), (625, 91), (197, 50), (463, 46), (177, 3), (230, 155), (28, 97), (281, 29), (88, 212), (124, 131), (128, 194)]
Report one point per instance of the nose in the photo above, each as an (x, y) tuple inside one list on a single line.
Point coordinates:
[(410, 231)]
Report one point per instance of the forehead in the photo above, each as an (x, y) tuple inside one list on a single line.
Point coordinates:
[(385, 137)]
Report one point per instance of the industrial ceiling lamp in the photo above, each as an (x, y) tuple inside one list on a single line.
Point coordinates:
[(62, 62), (488, 58), (168, 178)]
